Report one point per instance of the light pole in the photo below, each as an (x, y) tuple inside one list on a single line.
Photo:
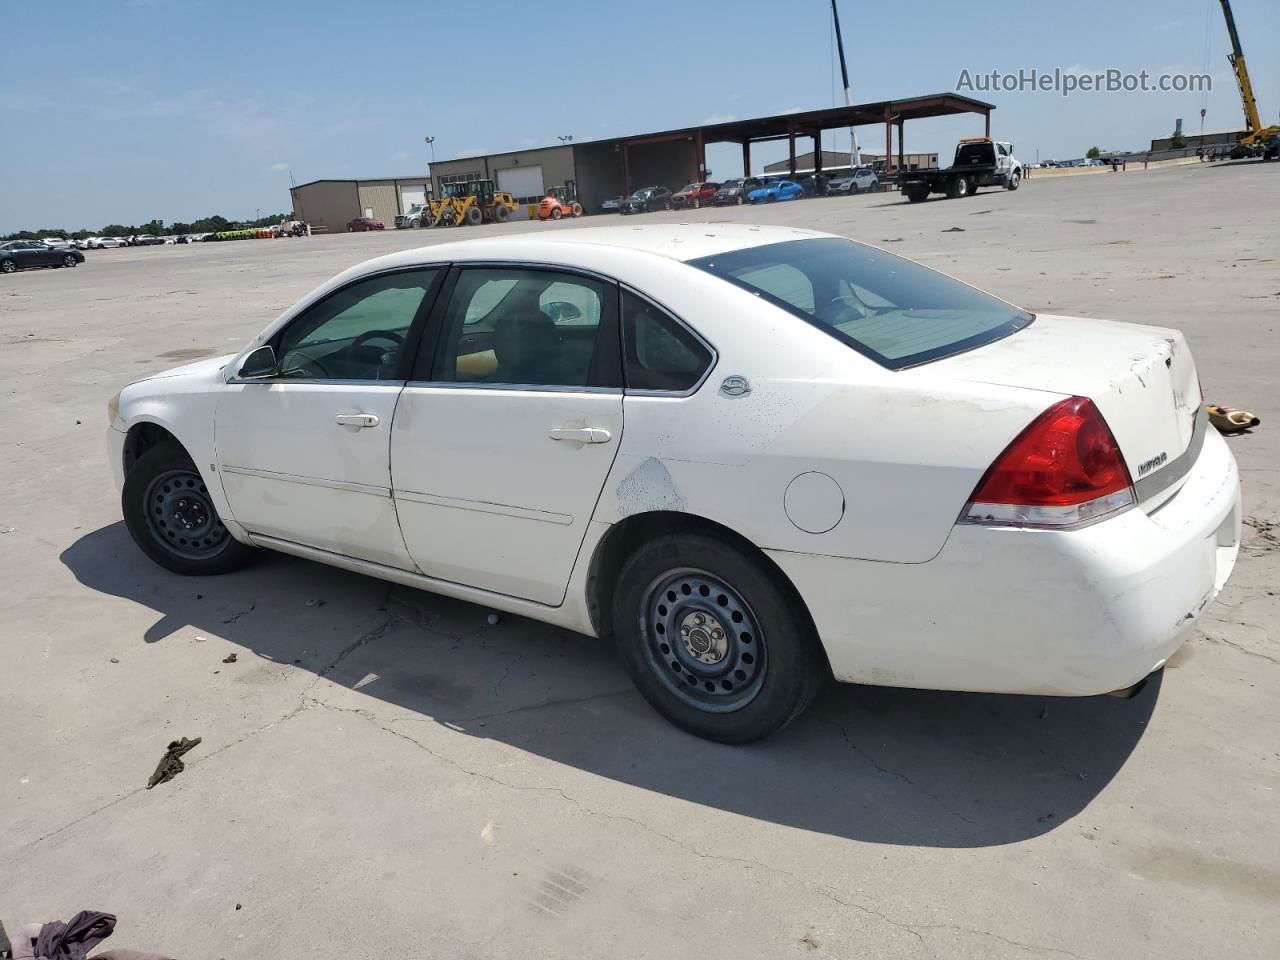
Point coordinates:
[(431, 142)]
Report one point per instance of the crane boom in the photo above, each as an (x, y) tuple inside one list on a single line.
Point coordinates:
[(855, 154), (1253, 124)]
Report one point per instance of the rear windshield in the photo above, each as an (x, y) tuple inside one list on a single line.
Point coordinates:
[(898, 313)]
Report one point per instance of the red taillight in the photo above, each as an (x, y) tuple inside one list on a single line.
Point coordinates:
[(1064, 468)]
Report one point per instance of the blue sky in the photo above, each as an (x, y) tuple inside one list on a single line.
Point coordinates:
[(124, 110)]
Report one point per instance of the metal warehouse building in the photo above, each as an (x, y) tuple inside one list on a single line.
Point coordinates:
[(606, 168), (329, 204)]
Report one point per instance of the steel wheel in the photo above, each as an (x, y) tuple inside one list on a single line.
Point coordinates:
[(182, 517), (703, 641)]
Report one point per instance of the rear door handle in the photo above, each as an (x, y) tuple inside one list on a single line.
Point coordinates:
[(581, 434), (357, 420)]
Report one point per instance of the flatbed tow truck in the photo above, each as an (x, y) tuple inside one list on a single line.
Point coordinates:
[(979, 162)]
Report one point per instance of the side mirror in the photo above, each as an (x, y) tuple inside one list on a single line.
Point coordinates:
[(259, 364)]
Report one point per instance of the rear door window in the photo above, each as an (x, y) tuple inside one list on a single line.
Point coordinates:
[(659, 352)]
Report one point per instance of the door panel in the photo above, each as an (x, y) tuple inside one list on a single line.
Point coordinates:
[(305, 455), (486, 497), (503, 441), (290, 470)]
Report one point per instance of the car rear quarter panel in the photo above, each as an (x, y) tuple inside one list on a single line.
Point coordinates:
[(905, 448)]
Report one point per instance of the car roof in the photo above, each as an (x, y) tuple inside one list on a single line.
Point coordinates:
[(676, 241)]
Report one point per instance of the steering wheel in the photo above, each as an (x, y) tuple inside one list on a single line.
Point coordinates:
[(396, 339)]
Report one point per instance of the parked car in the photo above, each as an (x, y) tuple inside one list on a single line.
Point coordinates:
[(23, 254), (647, 199), (1030, 504), (612, 204), (144, 240), (815, 184), (363, 224), (862, 180), (776, 190), (104, 243), (418, 215), (736, 190), (694, 195), (57, 242)]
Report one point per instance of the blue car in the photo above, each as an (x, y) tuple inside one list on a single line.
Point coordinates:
[(777, 190)]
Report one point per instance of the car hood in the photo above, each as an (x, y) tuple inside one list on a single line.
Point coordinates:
[(200, 369)]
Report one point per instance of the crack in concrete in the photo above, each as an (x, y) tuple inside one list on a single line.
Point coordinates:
[(894, 773), (1247, 652), (914, 929)]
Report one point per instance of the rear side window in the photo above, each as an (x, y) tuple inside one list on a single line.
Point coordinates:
[(898, 313), (660, 353)]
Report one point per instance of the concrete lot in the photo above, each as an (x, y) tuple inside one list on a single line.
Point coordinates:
[(384, 772)]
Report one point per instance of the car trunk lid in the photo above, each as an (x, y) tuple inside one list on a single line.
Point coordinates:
[(1142, 379)]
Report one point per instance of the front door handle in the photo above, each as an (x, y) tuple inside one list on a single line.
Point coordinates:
[(357, 420), (581, 434)]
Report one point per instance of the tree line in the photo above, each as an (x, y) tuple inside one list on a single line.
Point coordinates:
[(214, 224)]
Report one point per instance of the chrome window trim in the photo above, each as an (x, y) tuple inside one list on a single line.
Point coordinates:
[(622, 333), (397, 384), (1160, 481), (526, 387)]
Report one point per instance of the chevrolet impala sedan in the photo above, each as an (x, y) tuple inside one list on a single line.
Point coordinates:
[(753, 457)]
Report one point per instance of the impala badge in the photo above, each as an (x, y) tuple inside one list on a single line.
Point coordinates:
[(1146, 466)]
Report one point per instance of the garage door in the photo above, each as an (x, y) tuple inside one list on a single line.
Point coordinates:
[(411, 194), (523, 183)]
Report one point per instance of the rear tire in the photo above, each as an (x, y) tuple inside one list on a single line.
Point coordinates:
[(555, 213), (172, 518), (713, 640), (7, 266), (501, 214), (577, 210)]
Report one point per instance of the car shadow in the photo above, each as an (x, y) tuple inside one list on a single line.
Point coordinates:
[(865, 763)]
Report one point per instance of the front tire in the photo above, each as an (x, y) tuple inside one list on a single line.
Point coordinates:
[(69, 261), (713, 640), (172, 518), (555, 213), (1012, 183)]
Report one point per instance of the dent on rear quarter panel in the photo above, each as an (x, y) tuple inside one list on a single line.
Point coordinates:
[(905, 457)]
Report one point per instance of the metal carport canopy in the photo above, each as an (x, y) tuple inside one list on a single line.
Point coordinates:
[(811, 123)]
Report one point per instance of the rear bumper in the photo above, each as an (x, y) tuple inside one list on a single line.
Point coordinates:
[(1001, 610)]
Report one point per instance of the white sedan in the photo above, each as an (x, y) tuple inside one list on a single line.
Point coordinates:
[(756, 457)]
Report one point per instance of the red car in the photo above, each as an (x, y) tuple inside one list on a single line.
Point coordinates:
[(694, 195), (361, 224)]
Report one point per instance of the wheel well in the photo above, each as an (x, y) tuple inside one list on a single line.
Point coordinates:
[(141, 438), (625, 537)]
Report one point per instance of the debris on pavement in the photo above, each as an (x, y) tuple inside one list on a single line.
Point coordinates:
[(1229, 419), (171, 764), (70, 941), (494, 619), (954, 230), (229, 658)]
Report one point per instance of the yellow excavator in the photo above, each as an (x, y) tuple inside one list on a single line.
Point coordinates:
[(471, 203), (1256, 135)]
